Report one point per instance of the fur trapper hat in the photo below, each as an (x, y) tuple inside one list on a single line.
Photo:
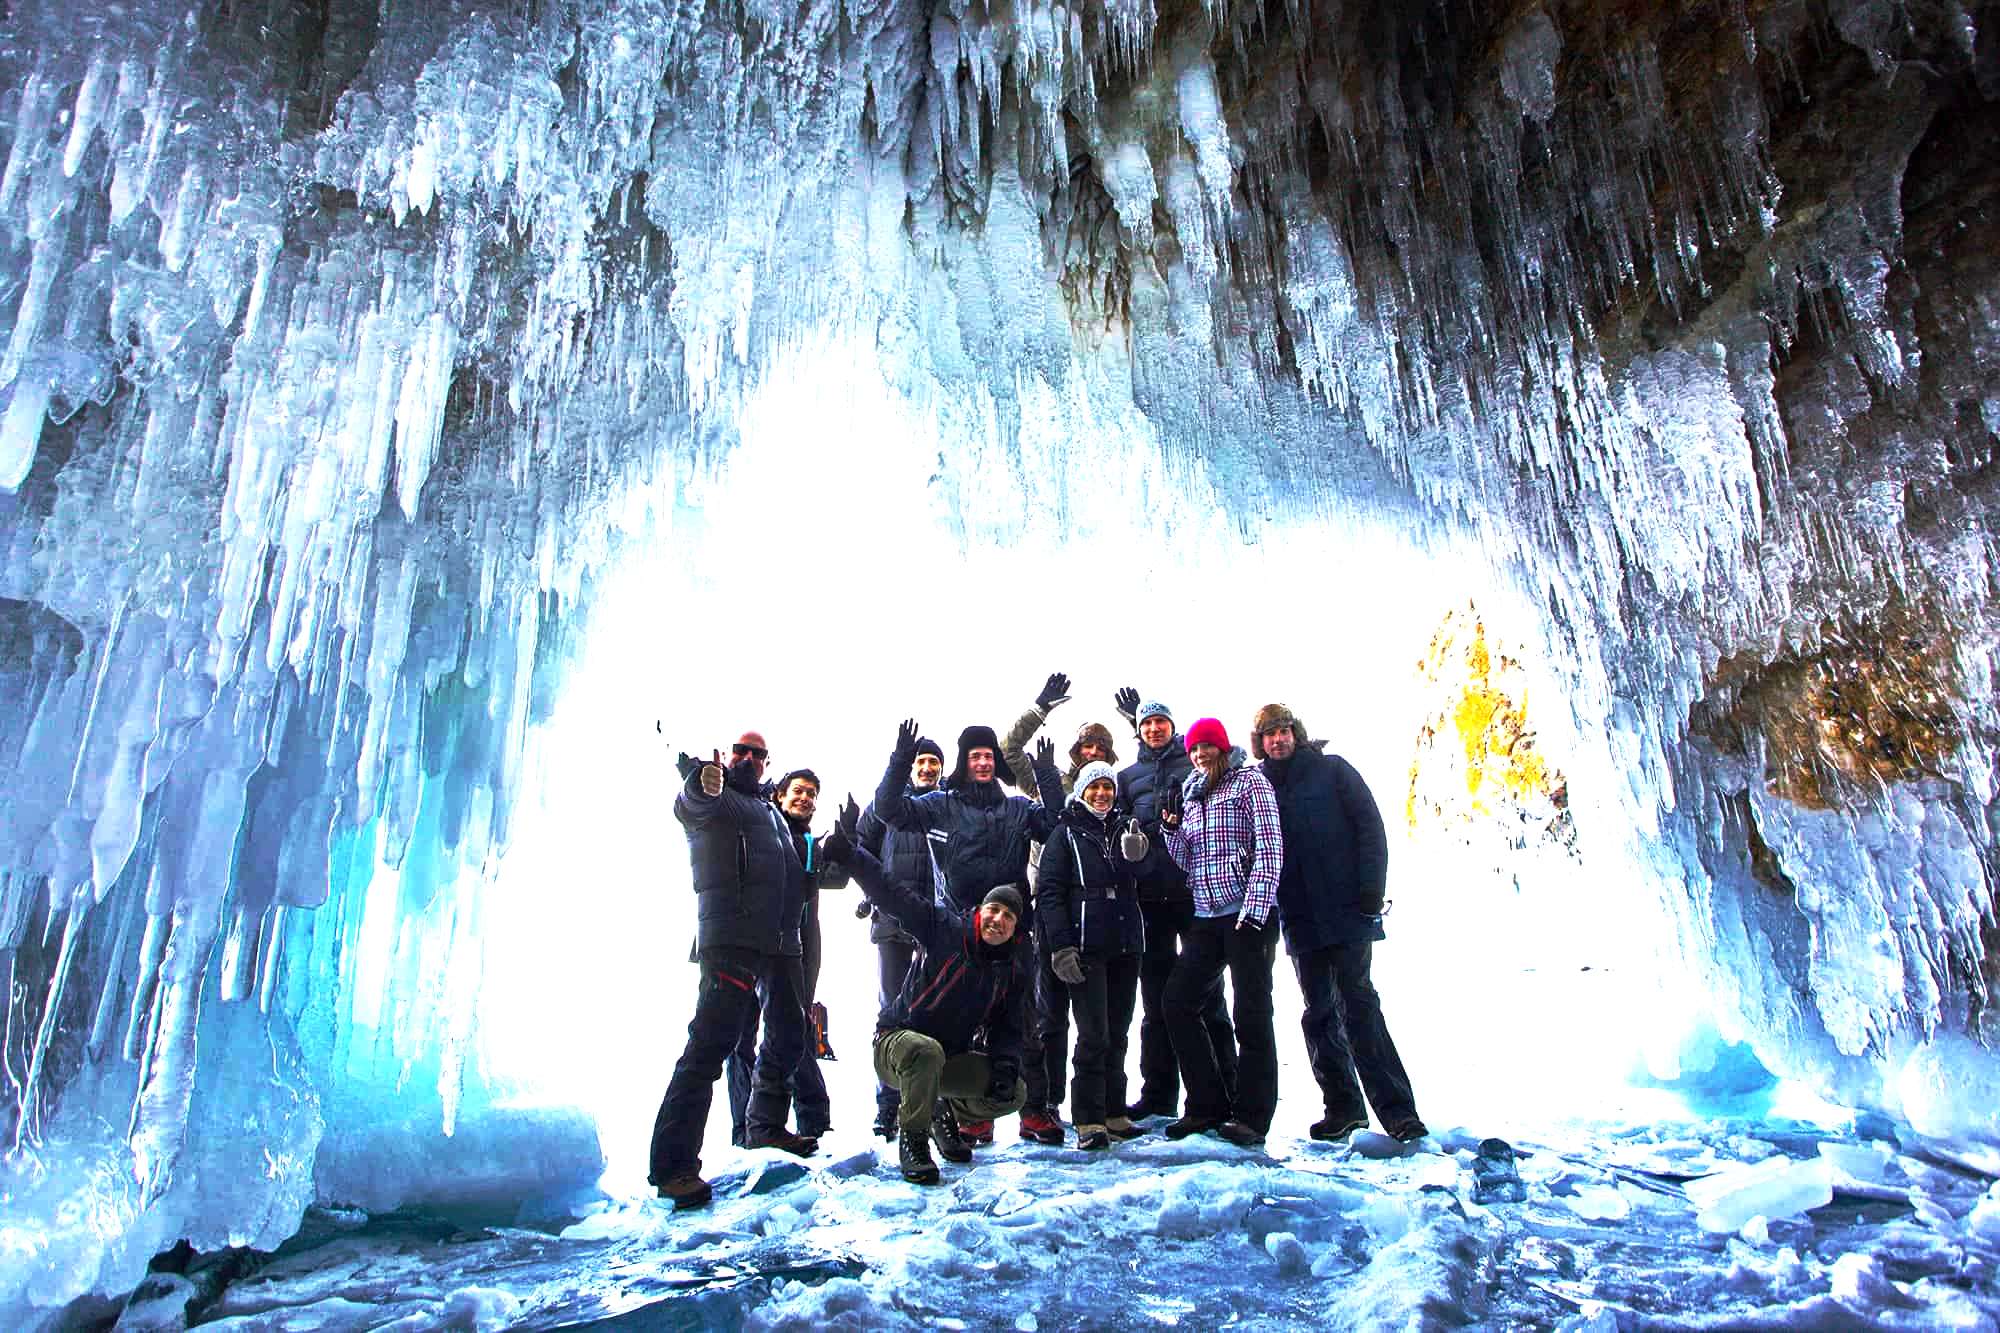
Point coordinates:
[(1092, 731), (979, 738), (1274, 715)]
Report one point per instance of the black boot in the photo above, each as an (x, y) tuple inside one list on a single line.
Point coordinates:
[(944, 1131), (913, 1151), (783, 1139)]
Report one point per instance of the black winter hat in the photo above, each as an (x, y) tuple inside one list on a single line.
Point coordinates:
[(931, 748), (1007, 895), (979, 738)]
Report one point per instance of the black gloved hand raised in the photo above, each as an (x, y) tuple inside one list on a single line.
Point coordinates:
[(849, 818), (1127, 700), (1054, 691), (907, 732), (1045, 751), (688, 765), (836, 845)]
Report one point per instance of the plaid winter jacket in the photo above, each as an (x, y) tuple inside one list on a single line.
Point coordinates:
[(1231, 843)]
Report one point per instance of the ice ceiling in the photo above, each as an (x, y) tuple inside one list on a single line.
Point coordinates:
[(351, 342)]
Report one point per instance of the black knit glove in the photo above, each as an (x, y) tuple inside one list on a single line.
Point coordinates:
[(1171, 804), (907, 732), (1045, 751), (688, 765), (1054, 691)]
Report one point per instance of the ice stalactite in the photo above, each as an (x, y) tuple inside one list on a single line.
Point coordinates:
[(350, 343)]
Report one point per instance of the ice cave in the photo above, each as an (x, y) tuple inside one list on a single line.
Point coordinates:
[(422, 419)]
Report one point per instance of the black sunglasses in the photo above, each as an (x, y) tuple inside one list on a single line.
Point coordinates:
[(757, 752)]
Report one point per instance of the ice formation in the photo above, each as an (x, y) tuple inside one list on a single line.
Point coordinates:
[(353, 343)]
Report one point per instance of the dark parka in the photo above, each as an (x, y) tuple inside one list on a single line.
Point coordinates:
[(906, 860), (1336, 850), (746, 872), (960, 986), (1088, 897), (978, 833), (1141, 784)]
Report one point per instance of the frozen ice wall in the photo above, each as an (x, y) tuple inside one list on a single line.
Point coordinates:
[(352, 343)]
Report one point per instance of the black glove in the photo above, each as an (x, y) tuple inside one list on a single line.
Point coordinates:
[(688, 765), (1171, 803), (1000, 1088), (1055, 691), (1045, 751), (836, 846), (907, 732), (848, 821), (1127, 700)]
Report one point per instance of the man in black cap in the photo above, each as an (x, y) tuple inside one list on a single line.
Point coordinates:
[(751, 885), (906, 861), (966, 987)]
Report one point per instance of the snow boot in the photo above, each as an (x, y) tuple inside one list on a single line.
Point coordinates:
[(1406, 1131), (1240, 1134), (1121, 1127), (944, 1132), (1337, 1127), (977, 1133), (687, 1189), (913, 1155), (1041, 1126), (1092, 1138), (782, 1139), (1192, 1124)]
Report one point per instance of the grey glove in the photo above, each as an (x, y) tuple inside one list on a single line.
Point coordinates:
[(1067, 966), (1133, 843)]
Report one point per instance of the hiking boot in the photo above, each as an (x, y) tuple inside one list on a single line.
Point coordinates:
[(1040, 1126), (1144, 1109), (944, 1132), (1192, 1124), (1119, 1127), (782, 1139), (1093, 1138), (1336, 1127), (1406, 1131), (977, 1133), (1240, 1134), (913, 1155), (687, 1189)]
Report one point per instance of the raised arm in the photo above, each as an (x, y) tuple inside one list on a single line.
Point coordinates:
[(933, 927), (892, 802), (1014, 745), (1042, 819)]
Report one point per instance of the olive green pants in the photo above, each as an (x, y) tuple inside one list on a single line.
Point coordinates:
[(918, 1068)]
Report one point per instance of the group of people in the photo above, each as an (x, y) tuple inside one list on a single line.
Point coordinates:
[(999, 919)]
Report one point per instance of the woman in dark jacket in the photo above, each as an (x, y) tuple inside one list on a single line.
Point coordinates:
[(1093, 934)]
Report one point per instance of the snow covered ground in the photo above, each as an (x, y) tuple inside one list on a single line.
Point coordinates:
[(1745, 1223)]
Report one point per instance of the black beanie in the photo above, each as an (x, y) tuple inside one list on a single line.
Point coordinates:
[(1007, 895), (931, 748)]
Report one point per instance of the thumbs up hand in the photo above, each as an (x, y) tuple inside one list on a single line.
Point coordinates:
[(711, 775), (1133, 843)]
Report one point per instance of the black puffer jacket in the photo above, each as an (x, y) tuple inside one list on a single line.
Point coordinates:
[(978, 833), (1141, 784), (961, 986), (906, 860), (1336, 850), (1087, 896), (751, 885)]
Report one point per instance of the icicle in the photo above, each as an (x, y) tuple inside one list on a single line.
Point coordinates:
[(78, 912), (152, 948), (267, 964)]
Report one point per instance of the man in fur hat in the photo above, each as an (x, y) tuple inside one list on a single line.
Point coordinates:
[(1330, 902)]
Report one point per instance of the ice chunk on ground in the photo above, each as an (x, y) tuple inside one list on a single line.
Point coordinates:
[(1779, 1187)]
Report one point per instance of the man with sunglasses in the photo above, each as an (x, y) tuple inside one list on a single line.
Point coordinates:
[(751, 886)]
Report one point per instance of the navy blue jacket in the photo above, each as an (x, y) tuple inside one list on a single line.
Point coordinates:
[(906, 859), (960, 985), (1336, 851), (1141, 784), (979, 834), (746, 873), (1087, 895)]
